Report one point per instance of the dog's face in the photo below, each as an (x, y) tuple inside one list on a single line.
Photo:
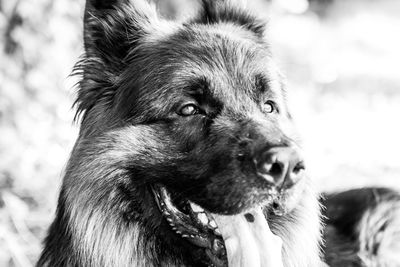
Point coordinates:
[(210, 89), (219, 102)]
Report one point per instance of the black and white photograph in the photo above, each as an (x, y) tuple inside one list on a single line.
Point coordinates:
[(199, 133)]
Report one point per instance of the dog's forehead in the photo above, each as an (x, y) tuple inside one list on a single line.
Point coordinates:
[(227, 48), (224, 55)]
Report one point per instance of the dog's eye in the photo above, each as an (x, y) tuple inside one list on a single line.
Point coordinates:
[(269, 107), (188, 110)]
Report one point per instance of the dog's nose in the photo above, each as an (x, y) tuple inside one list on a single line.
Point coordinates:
[(280, 165)]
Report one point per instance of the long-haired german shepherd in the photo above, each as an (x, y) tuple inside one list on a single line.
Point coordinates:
[(180, 121)]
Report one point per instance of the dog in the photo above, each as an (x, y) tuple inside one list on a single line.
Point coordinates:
[(179, 121)]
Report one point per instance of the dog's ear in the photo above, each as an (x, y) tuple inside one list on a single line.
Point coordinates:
[(234, 11), (113, 27), (112, 30)]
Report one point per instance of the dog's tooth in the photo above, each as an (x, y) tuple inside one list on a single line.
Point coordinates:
[(216, 230), (185, 236), (196, 208), (213, 224), (203, 218)]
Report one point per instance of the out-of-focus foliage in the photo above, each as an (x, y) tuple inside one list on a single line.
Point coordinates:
[(342, 62), (39, 43)]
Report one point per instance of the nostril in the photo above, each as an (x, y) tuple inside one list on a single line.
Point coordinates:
[(296, 174), (299, 167), (276, 169)]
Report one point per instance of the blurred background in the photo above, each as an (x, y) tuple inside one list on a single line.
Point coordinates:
[(341, 59)]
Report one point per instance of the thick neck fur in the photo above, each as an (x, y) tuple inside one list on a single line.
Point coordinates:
[(96, 225), (300, 231)]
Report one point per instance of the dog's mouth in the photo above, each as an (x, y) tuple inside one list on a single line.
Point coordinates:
[(192, 223), (203, 228)]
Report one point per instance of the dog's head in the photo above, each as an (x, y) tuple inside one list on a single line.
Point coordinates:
[(211, 92)]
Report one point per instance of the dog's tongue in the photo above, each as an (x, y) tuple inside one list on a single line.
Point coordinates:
[(249, 240)]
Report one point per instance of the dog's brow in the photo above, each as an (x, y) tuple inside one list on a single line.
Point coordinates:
[(261, 83), (198, 86), (200, 89)]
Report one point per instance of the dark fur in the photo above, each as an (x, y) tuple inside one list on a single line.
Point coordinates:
[(363, 227), (136, 73)]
